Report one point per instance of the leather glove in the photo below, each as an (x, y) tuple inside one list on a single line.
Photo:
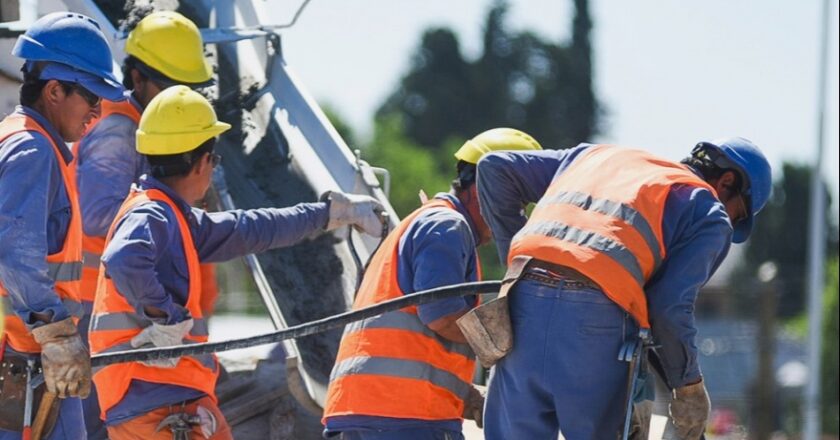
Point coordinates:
[(65, 359), (363, 212), (474, 407), (689, 410), (640, 420), (159, 335)]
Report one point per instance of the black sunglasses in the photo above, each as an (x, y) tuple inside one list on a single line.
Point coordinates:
[(90, 98)]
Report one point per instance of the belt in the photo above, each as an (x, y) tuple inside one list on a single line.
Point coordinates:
[(554, 274)]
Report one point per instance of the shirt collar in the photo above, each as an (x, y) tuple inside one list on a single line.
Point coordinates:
[(461, 209), (148, 182), (45, 124)]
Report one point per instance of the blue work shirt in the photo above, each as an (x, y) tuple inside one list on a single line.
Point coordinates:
[(145, 260), (107, 165), (34, 218), (695, 228), (437, 249)]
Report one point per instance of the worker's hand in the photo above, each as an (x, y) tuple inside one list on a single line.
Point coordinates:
[(363, 212), (159, 335), (474, 407), (64, 358), (690, 410)]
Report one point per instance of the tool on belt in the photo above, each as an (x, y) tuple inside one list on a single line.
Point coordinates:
[(182, 423), (487, 327), (635, 353), (22, 390)]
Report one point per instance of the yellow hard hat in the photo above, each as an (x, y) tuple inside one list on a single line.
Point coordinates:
[(177, 120), (497, 139), (171, 44)]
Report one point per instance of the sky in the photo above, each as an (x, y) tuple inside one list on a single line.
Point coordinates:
[(669, 73)]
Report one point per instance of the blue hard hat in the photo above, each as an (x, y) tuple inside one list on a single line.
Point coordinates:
[(745, 157), (76, 41)]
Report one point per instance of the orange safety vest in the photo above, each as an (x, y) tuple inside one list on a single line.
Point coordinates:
[(392, 365), (603, 218), (64, 266), (93, 246), (115, 322)]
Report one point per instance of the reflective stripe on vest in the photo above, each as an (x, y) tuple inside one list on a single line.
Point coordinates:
[(115, 322), (390, 359), (64, 266), (603, 217), (92, 246)]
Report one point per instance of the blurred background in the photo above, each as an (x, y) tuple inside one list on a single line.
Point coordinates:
[(407, 82)]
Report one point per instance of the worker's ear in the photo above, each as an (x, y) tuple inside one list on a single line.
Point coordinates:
[(726, 185), (53, 93)]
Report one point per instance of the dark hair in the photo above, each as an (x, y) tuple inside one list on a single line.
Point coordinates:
[(146, 73), (30, 89), (173, 165), (709, 170), (466, 176)]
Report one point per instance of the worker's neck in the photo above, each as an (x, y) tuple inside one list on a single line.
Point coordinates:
[(184, 187)]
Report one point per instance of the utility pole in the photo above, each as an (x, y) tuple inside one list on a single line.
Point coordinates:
[(816, 248)]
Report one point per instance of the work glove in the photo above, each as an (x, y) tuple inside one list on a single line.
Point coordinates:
[(474, 407), (689, 410), (64, 358), (363, 212), (640, 420), (159, 335)]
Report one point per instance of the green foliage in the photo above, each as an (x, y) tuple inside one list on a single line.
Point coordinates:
[(830, 367), (781, 235), (519, 81)]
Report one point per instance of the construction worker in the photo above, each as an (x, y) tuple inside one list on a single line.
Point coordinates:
[(164, 49), (67, 71), (620, 240), (408, 374), (149, 288)]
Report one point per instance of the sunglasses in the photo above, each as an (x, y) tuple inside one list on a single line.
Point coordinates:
[(90, 98)]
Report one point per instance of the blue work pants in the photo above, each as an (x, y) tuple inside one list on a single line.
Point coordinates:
[(69, 425), (90, 406), (403, 434), (563, 374)]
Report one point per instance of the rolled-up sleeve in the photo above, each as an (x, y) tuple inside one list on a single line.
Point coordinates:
[(220, 236), (138, 244), (697, 235), (108, 165), (27, 184)]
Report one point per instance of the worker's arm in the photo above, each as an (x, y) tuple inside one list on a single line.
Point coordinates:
[(439, 250), (139, 242), (697, 236), (108, 165), (221, 236), (508, 181), (28, 182)]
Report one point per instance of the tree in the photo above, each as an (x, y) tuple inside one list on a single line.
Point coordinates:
[(781, 235), (831, 351), (518, 81)]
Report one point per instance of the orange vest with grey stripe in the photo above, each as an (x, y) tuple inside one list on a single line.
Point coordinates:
[(92, 246), (603, 217), (115, 322), (391, 359), (63, 267)]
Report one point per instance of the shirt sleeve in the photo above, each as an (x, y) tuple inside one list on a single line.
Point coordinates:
[(108, 165), (26, 190), (138, 244), (221, 236), (441, 253), (508, 181), (697, 237)]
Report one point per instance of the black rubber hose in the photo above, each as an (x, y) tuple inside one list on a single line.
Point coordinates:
[(297, 331)]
